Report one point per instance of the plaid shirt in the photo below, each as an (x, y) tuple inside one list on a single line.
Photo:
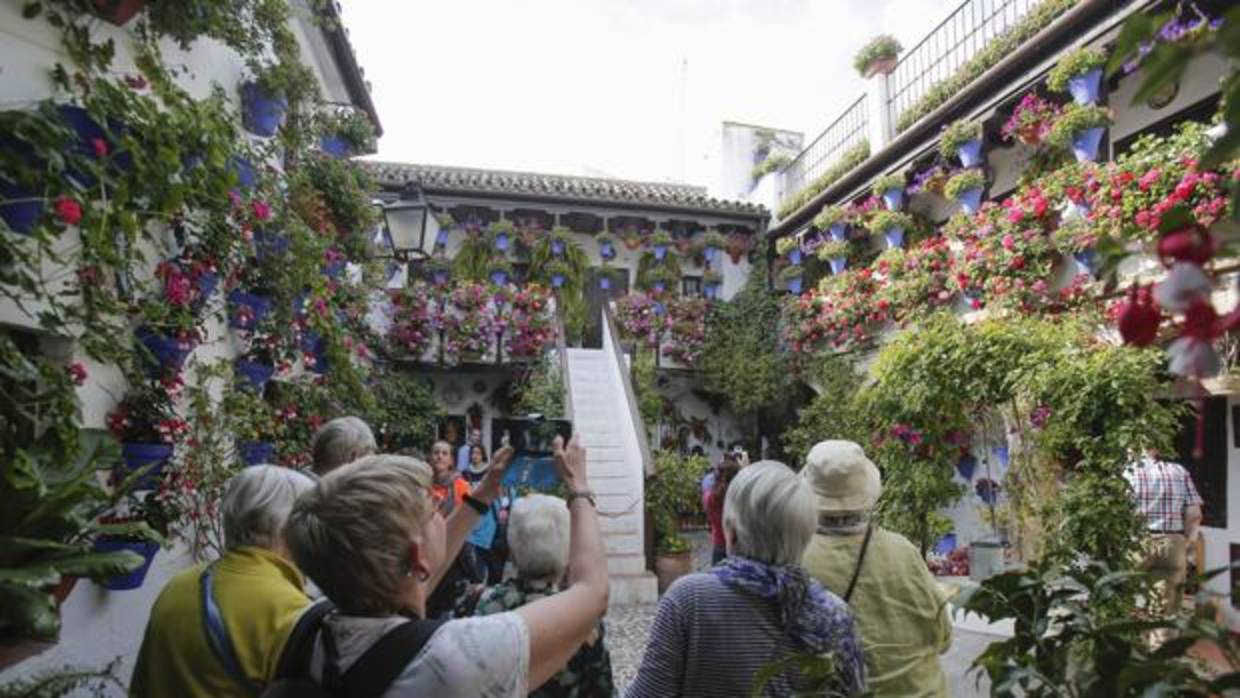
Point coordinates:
[(1162, 490)]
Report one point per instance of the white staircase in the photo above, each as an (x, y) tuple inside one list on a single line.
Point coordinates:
[(601, 417)]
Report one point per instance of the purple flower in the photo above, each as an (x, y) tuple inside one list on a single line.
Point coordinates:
[(1040, 416)]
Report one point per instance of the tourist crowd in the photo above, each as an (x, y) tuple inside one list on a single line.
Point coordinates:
[(386, 575)]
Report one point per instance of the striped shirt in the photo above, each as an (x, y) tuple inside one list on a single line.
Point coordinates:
[(712, 639), (1162, 490)]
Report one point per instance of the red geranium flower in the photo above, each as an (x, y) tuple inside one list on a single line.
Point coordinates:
[(69, 210)]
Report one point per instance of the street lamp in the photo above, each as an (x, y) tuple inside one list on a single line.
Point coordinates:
[(409, 228)]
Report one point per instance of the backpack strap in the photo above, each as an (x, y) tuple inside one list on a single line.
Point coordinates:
[(299, 647), (865, 544), (373, 673), (217, 633)]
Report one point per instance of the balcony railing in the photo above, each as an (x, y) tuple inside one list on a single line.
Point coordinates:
[(845, 132), (949, 46)]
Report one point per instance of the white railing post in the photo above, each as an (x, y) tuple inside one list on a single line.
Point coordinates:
[(877, 93)]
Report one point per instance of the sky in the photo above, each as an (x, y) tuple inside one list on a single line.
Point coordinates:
[(636, 89)]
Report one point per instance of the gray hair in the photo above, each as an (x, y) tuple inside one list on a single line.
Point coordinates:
[(538, 535), (770, 512), (257, 503), (340, 441)]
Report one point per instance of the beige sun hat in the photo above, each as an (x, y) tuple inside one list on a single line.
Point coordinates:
[(842, 478)]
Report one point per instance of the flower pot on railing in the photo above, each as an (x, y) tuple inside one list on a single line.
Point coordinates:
[(966, 466), (501, 241), (970, 153), (794, 255), (150, 458), (894, 236), (20, 207), (256, 452), (499, 277), (970, 200), (794, 286), (335, 146), (894, 198), (839, 232), (1085, 144), (557, 247), (1086, 261), (261, 112), (118, 12), (268, 245), (1085, 87), (441, 238), (557, 280), (144, 548), (607, 250), (660, 251), (244, 170), (164, 353), (838, 264), (248, 309), (255, 374)]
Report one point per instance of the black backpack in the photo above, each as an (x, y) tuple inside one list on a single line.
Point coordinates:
[(369, 677)]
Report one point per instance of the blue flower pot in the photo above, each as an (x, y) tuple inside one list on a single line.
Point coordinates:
[(794, 255), (259, 307), (604, 282), (607, 250), (660, 251), (244, 170), (206, 283), (132, 580), (966, 466), (557, 280), (335, 270), (87, 130), (19, 215), (894, 236), (839, 231), (659, 286), (256, 452), (988, 490), (660, 308), (255, 374), (501, 241), (838, 264), (557, 247), (440, 277), (499, 278), (1084, 88), (970, 153), (712, 254), (149, 457), (1085, 144), (335, 146), (441, 238), (794, 286), (894, 198), (311, 342), (1001, 455), (970, 200), (1086, 261), (261, 113), (168, 352), (269, 245)]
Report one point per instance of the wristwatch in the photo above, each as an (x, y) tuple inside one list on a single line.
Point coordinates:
[(477, 504), (581, 494)]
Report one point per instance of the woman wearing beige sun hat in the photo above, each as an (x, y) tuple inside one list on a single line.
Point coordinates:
[(900, 610)]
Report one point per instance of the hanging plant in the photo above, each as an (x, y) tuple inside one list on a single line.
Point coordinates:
[(439, 269), (501, 233), (891, 189), (713, 244), (966, 189), (345, 132), (606, 245), (415, 319), (792, 276), (891, 225), (962, 140), (878, 56), (660, 279), (609, 276), (659, 243), (1031, 120), (530, 326), (561, 238), (499, 271), (835, 253), (265, 97), (832, 220), (1080, 74), (1079, 129), (557, 273)]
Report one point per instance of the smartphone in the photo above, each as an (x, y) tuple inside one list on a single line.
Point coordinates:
[(531, 438)]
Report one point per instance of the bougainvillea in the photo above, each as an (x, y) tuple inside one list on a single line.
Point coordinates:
[(641, 319), (686, 330), (415, 319), (526, 320)]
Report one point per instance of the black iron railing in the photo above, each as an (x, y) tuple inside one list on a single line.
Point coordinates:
[(845, 132), (948, 47)]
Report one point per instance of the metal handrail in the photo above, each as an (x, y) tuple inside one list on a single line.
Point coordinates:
[(635, 415), (850, 128), (561, 348)]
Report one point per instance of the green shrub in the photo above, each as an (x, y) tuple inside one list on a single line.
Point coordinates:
[(956, 135), (714, 239), (832, 249), (964, 181), (773, 163), (785, 245), (880, 47), (661, 237), (1078, 62), (673, 492), (1075, 119), (790, 272)]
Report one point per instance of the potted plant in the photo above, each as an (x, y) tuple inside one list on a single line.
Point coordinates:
[(502, 233), (833, 220), (835, 252), (891, 224), (631, 237), (1031, 120), (439, 269), (879, 56), (499, 271), (1080, 129), (1078, 239), (789, 247), (256, 366), (670, 493), (254, 424), (712, 281), (446, 224), (713, 244), (965, 188), (1079, 74), (891, 189), (345, 132), (661, 278), (659, 243), (557, 272), (609, 275), (606, 245), (247, 310), (962, 140), (561, 238), (146, 424), (162, 351), (118, 12), (139, 528), (792, 276)]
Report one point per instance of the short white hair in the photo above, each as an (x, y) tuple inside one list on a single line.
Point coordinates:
[(257, 502), (770, 511), (340, 441), (538, 536)]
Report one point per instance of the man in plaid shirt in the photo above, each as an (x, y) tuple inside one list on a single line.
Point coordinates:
[(1171, 508)]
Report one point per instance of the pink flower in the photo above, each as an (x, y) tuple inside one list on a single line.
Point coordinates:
[(77, 372), (68, 210), (100, 146), (262, 210), (1008, 242)]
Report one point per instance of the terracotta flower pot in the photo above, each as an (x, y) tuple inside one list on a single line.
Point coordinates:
[(118, 12), (881, 66), (668, 567)]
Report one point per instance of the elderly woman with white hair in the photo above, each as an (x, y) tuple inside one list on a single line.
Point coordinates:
[(901, 610), (715, 631), (340, 441), (254, 590), (538, 544), (371, 537)]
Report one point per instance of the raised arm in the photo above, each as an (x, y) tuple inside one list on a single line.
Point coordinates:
[(463, 519), (558, 624)]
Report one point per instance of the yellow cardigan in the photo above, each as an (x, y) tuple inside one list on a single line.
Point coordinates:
[(260, 596)]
